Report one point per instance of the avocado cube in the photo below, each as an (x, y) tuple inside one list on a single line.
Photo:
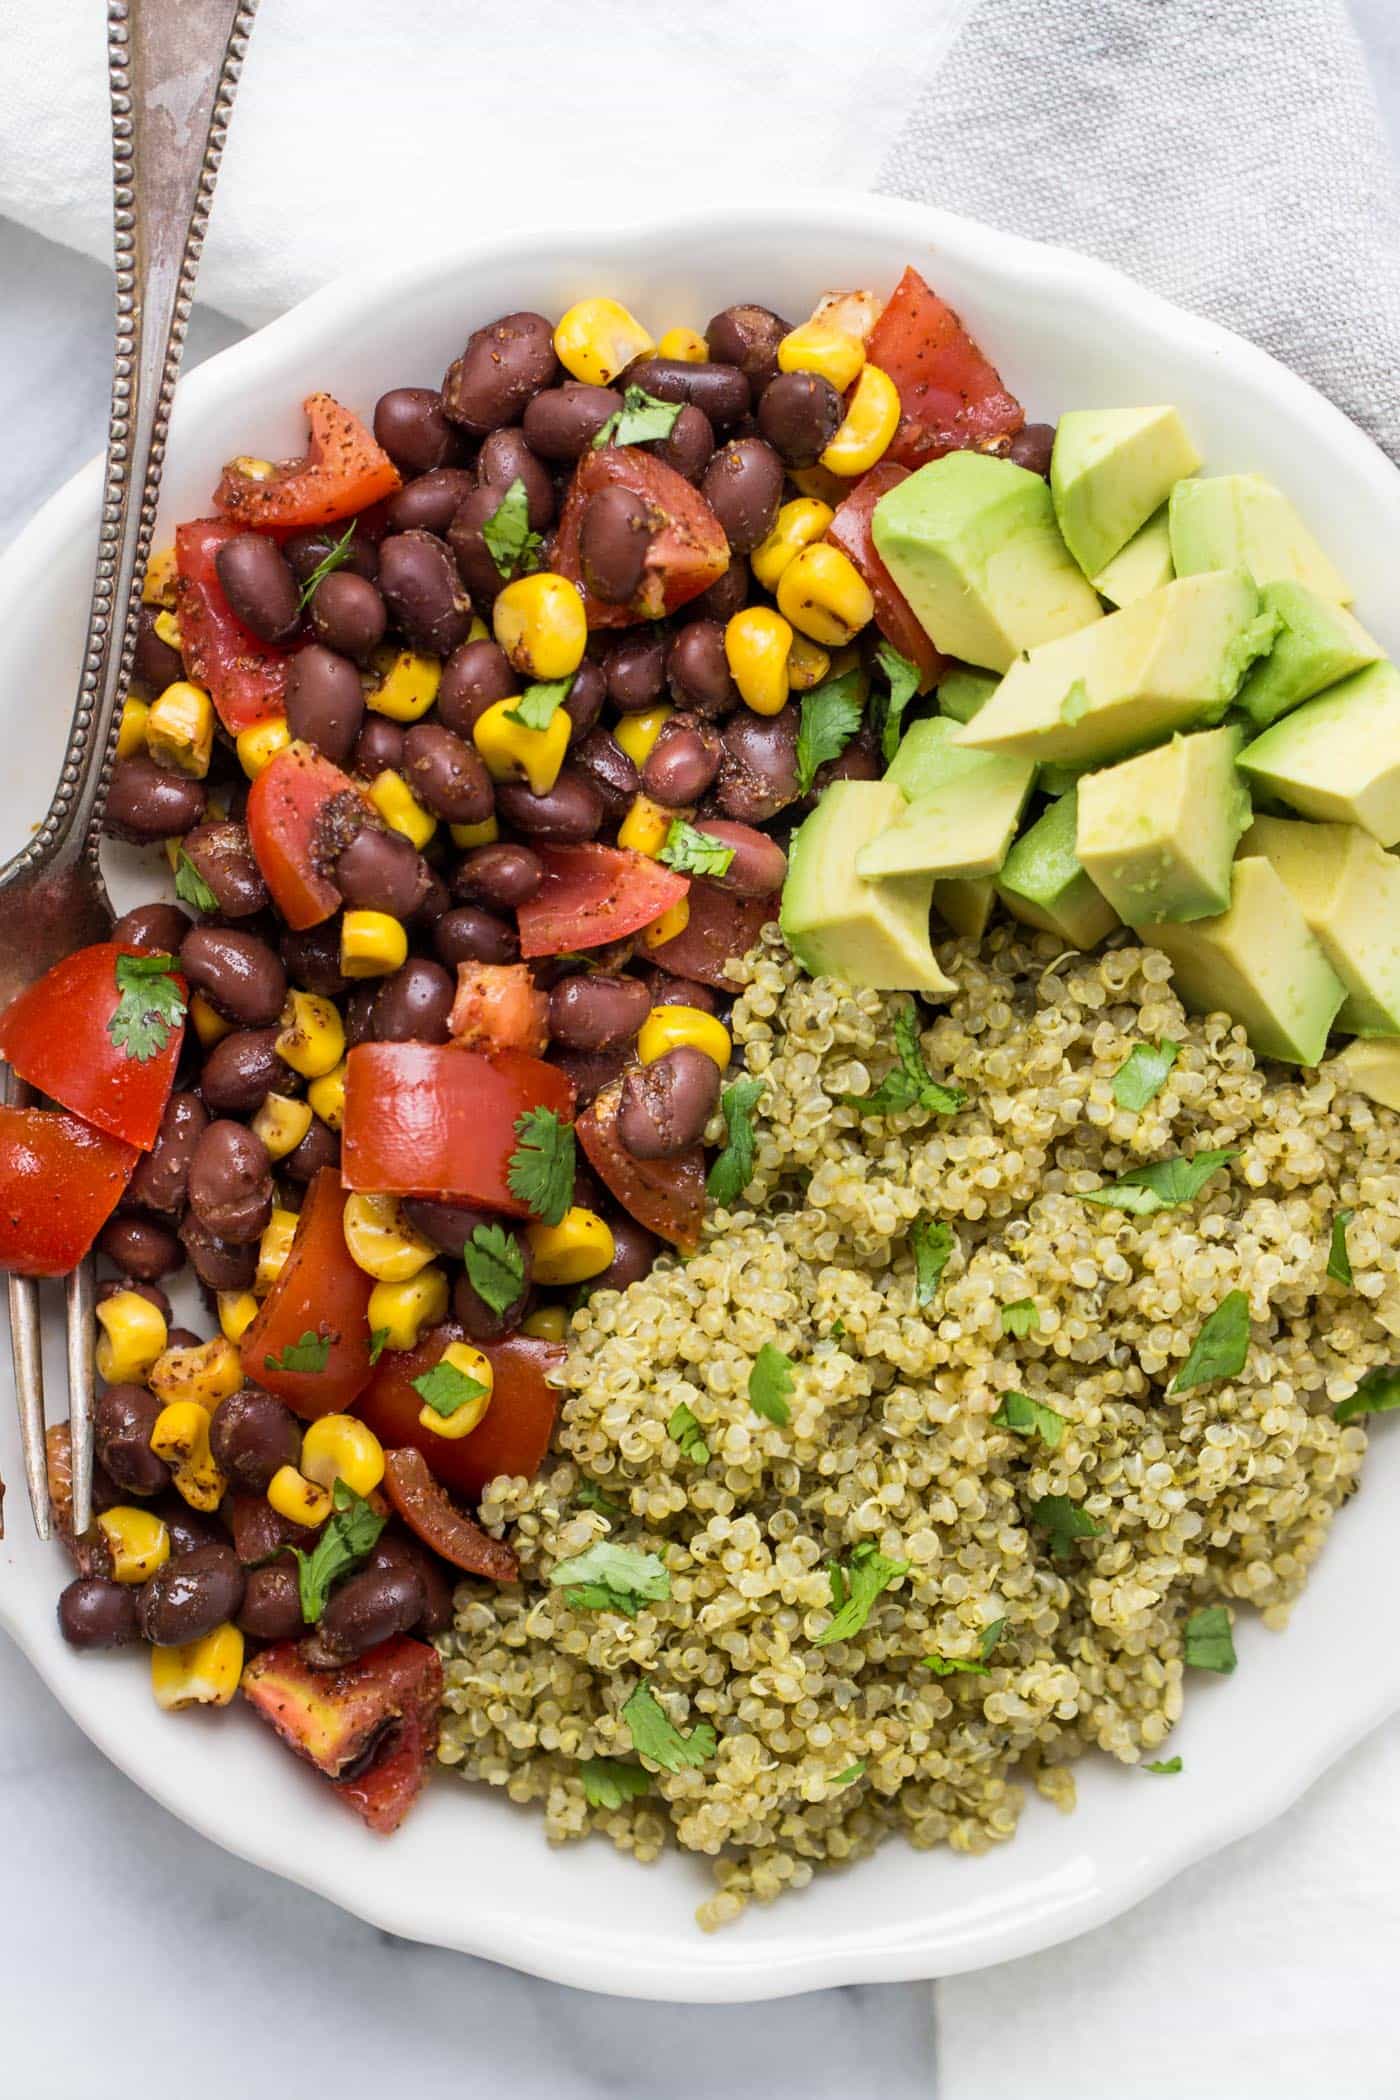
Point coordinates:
[(1348, 889), (973, 544), (1241, 521), (1043, 884), (1373, 1069), (837, 924), (1157, 834), (1144, 565), (1317, 644), (964, 807), (1260, 963), (1171, 661), (962, 692), (965, 903), (1110, 470), (1337, 758)]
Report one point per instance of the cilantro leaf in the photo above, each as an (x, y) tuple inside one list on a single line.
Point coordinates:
[(446, 1387), (609, 1781), (190, 886), (350, 1536), (605, 1577), (149, 1006), (933, 1242), (538, 704), (495, 1266), (770, 1382), (910, 1084), (656, 1736), (837, 1330), (509, 541), (1377, 1394), (541, 1170), (855, 1588), (337, 553), (377, 1342), (831, 715), (1210, 1640), (683, 1429), (1143, 1073), (1338, 1259), (1027, 1417), (1164, 1764), (1020, 1319), (692, 852), (851, 1773), (591, 1496), (310, 1352), (968, 1666), (1220, 1348), (733, 1169), (1164, 1184), (641, 420), (904, 683), (1063, 1521)]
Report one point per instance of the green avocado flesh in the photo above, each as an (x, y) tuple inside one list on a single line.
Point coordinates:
[(962, 692), (837, 924), (1157, 834), (1337, 758), (1317, 644), (1348, 889), (1241, 521), (965, 903), (1373, 1069), (1144, 565), (1043, 884), (1111, 469), (964, 807)]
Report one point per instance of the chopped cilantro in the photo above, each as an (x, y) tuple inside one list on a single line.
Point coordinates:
[(541, 1170), (538, 704), (1165, 1184), (335, 555), (351, 1534), (770, 1382), (1377, 1394), (964, 1665), (377, 1343), (149, 1006), (1027, 1417), (855, 1588), (446, 1388), (609, 1781), (1143, 1073), (851, 1774), (1338, 1258), (692, 852), (1020, 1319), (656, 1736), (509, 541), (1220, 1348), (1210, 1640), (591, 1496), (190, 886), (933, 1242), (910, 1084), (1063, 1521), (495, 1266), (605, 1577), (683, 1429), (904, 683), (831, 715), (310, 1352), (733, 1169), (1164, 1764), (641, 420)]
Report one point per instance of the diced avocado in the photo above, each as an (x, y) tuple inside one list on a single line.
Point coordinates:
[(1144, 565), (1158, 833), (872, 933), (1043, 884), (1241, 521), (1337, 758), (1317, 643), (1258, 962), (1373, 1069), (964, 807), (973, 544), (1110, 470), (965, 903), (1171, 661), (1348, 889), (962, 692)]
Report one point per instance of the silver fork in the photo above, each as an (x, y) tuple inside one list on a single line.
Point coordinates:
[(173, 66)]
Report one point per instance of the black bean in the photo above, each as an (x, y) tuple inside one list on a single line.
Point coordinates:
[(437, 899), (476, 565), (682, 762), (348, 614), (861, 760), (96, 1613), (396, 1550), (614, 535), (145, 803), (1032, 446), (325, 701), (368, 1608), (155, 664), (218, 1263), (689, 446), (609, 770), (430, 503), (271, 1608), (562, 422), (240, 976), (189, 1597), (141, 1248), (378, 748), (665, 990), (505, 458), (162, 1174), (411, 427), (240, 1070), (758, 772), (590, 1011), (252, 1435), (583, 703), (448, 1225), (502, 876), (727, 595), (474, 678), (697, 670), (414, 1004), (112, 1286), (231, 1182), (720, 391), (311, 958), (482, 1322), (223, 858), (358, 1014), (799, 415), (468, 933), (743, 486), (634, 1251), (259, 585), (306, 551), (635, 671), (501, 369), (748, 336), (319, 1148), (446, 774), (159, 928), (759, 863), (423, 591), (665, 1106), (122, 1421), (382, 871), (569, 813)]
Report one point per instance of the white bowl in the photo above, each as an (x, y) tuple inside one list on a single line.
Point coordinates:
[(468, 1870)]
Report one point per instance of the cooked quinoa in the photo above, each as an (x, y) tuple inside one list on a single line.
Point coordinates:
[(1223, 1493)]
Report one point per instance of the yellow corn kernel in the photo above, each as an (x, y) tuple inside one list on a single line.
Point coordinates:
[(237, 1312), (757, 642), (683, 1027), (405, 684), (299, 1500), (685, 344), (209, 1025), (158, 583), (671, 922), (181, 1437), (597, 339), (484, 834), (638, 733), (327, 1097), (251, 468), (204, 1371), (371, 944), (273, 1248), (167, 630), (282, 1122), (807, 664), (645, 827), (796, 526), (511, 751), (540, 622), (478, 631), (205, 1672), (818, 483), (398, 1312), (473, 1364), (579, 1246), (340, 1447), (381, 1242), (400, 808), (871, 419), (312, 1037), (816, 346), (180, 729), (139, 1541), (260, 743), (131, 737), (549, 1324), (824, 594), (133, 1336)]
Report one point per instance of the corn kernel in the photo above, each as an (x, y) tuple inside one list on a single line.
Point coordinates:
[(371, 944), (579, 1246), (208, 1024), (669, 1028), (167, 630), (398, 1312), (550, 1323), (327, 1097), (646, 826), (139, 1541), (381, 1242), (824, 594), (796, 526), (312, 1038), (820, 484), (684, 344), (299, 1500), (205, 1672), (405, 684), (871, 419), (596, 339), (133, 1336), (250, 468), (473, 1364), (540, 622), (274, 1246), (807, 664), (510, 750), (340, 1447), (158, 583), (204, 1371), (757, 642), (237, 1312), (131, 737), (400, 808), (817, 347), (281, 1122), (180, 729), (260, 743), (180, 1436), (468, 835), (478, 631), (636, 734), (671, 922)]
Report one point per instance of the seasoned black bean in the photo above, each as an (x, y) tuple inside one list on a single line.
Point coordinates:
[(634, 1251), (140, 1247), (437, 899), (306, 551), (382, 871), (240, 1069), (500, 876), (665, 990), (743, 486), (348, 613), (759, 864), (571, 811), (608, 769), (358, 1014), (861, 760), (446, 774), (111, 1286), (259, 585), (697, 670), (189, 1597), (217, 1263), (413, 1005), (591, 1011), (482, 1322), (319, 1148), (96, 1613), (162, 1174), (155, 664), (665, 1106), (689, 445), (758, 772), (122, 1421), (240, 976), (378, 748), (430, 503), (231, 1182), (583, 702), (719, 391), (505, 458), (271, 1608), (311, 958), (325, 701), (448, 1225), (468, 933), (799, 415), (145, 803), (396, 1550), (1032, 446), (727, 595), (562, 422), (501, 369), (614, 535), (421, 587), (223, 858), (474, 678), (369, 1607), (476, 565), (410, 425), (635, 671), (160, 928), (682, 762), (252, 1435), (748, 336)]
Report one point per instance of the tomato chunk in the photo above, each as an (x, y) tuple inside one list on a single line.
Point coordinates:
[(511, 1437), (429, 1119), (343, 471), (388, 1697), (443, 1528), (687, 551), (322, 1294), (245, 677), (894, 615), (60, 1181), (951, 396), (720, 927), (593, 894), (499, 1007), (665, 1195), (301, 810), (55, 1034)]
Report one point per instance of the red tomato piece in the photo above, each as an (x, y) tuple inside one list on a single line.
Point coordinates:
[(594, 894), (894, 615), (687, 550), (665, 1195), (60, 1181), (343, 470), (245, 677), (332, 1718), (320, 1293), (952, 397), (301, 811), (428, 1119), (499, 1007), (511, 1437), (720, 926), (443, 1528), (55, 1035)]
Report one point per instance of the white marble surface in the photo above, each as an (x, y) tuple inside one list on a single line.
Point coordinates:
[(183, 1955)]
